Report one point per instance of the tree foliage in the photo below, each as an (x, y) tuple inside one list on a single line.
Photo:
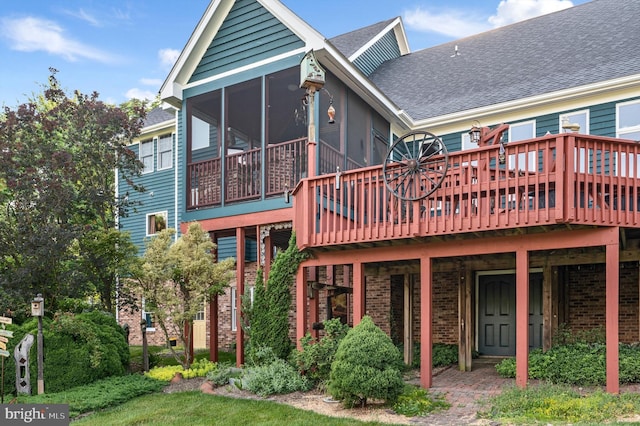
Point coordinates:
[(177, 278), (269, 316), (57, 187)]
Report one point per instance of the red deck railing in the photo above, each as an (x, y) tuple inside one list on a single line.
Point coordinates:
[(565, 178)]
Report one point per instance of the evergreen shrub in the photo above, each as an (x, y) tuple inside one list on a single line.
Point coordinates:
[(367, 365)]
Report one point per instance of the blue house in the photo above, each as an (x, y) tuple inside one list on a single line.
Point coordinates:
[(490, 239)]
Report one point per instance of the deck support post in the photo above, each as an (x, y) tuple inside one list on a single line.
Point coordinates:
[(612, 316), (213, 328), (522, 317), (359, 298), (240, 255), (301, 305), (426, 310)]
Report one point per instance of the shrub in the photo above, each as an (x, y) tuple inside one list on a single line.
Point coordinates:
[(276, 378), (199, 368), (367, 365), (416, 401), (315, 358), (579, 364), (261, 355), (98, 395), (221, 375)]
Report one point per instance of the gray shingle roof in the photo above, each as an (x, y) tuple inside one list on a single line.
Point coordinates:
[(586, 44), (349, 43), (158, 115)]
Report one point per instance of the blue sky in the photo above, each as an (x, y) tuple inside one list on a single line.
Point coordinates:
[(125, 48)]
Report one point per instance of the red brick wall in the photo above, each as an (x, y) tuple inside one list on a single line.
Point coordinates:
[(587, 296)]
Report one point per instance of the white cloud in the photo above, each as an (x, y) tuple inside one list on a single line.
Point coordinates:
[(85, 16), (452, 23), (457, 23), (141, 94), (168, 57), (34, 34), (510, 11)]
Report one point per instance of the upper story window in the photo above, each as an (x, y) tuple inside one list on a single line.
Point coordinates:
[(581, 118), (146, 155), (628, 120), (156, 222), (518, 132), (165, 152), (522, 131)]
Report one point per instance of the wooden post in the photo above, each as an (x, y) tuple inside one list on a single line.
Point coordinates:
[(522, 317), (408, 319), (359, 298), (240, 251), (612, 320), (213, 329), (426, 300), (301, 305)]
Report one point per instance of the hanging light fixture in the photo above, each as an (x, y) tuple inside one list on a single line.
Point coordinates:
[(331, 112), (475, 133)]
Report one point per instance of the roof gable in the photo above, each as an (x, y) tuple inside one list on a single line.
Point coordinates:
[(249, 33)]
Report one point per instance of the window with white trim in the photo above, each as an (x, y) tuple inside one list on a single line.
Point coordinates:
[(156, 222), (519, 132), (165, 152), (234, 305), (581, 118), (147, 315), (628, 120), (146, 155)]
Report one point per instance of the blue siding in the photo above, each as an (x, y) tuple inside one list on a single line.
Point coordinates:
[(249, 34), (158, 197), (227, 248), (384, 49)]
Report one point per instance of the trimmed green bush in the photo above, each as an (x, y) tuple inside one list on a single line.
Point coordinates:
[(78, 349), (279, 377), (315, 359), (367, 366)]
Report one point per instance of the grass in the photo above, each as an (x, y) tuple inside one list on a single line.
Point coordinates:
[(197, 408), (548, 403), (163, 356)]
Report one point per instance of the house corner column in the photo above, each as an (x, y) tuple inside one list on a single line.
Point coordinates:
[(522, 317), (426, 301), (612, 316)]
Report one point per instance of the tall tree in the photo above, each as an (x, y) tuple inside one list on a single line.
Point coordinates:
[(59, 154), (177, 278)]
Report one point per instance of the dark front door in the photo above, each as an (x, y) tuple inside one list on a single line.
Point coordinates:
[(497, 314)]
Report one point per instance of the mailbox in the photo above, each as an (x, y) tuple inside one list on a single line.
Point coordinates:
[(37, 306)]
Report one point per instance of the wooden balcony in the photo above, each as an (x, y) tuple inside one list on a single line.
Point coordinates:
[(284, 165), (567, 180)]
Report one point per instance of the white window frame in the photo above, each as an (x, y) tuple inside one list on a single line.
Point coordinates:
[(147, 222), (571, 117), (532, 161), (624, 132), (144, 157), (162, 151), (234, 305), (144, 313)]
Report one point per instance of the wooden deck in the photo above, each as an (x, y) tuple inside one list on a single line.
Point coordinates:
[(568, 179)]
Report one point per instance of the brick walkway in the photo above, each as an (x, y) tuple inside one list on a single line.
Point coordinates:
[(466, 392)]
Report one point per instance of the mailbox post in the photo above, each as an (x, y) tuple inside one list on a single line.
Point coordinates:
[(37, 310)]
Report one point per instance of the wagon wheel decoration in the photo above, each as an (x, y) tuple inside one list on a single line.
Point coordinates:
[(415, 166)]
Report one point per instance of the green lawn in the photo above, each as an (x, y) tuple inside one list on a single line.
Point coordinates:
[(196, 408)]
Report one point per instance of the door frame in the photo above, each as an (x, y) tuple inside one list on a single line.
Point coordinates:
[(477, 276)]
